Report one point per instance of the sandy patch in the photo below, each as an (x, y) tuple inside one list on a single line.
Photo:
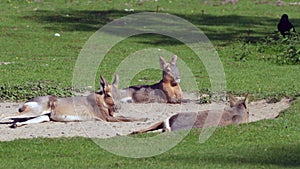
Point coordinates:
[(154, 112)]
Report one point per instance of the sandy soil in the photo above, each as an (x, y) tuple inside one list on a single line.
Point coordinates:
[(154, 112)]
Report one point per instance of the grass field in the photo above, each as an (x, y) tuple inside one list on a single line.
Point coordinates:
[(43, 64)]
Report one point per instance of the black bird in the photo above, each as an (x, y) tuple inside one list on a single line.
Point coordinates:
[(284, 26)]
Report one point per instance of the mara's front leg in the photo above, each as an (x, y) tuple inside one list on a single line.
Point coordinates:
[(178, 92), (39, 119), (174, 94)]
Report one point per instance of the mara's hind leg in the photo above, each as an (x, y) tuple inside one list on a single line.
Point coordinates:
[(123, 119), (129, 119), (39, 119), (157, 126)]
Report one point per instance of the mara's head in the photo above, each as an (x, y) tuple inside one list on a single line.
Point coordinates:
[(107, 94), (37, 106), (240, 109), (170, 70)]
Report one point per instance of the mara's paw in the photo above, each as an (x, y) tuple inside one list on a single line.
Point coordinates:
[(13, 126), (175, 101)]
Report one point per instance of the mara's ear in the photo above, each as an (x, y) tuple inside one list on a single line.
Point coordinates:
[(174, 59), (246, 100), (103, 83), (232, 100), (116, 80), (162, 62)]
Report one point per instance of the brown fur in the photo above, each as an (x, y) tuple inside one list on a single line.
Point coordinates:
[(96, 106), (237, 113), (167, 90)]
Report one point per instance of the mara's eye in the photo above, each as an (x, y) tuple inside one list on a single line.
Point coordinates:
[(108, 95)]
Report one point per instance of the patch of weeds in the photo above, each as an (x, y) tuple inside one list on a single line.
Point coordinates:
[(283, 51), (290, 52), (243, 51), (204, 99), (31, 89), (280, 50), (205, 96)]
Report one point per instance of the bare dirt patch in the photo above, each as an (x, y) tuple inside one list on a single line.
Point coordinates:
[(154, 112)]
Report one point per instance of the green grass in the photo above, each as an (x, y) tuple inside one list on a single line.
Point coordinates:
[(44, 65), (28, 28)]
